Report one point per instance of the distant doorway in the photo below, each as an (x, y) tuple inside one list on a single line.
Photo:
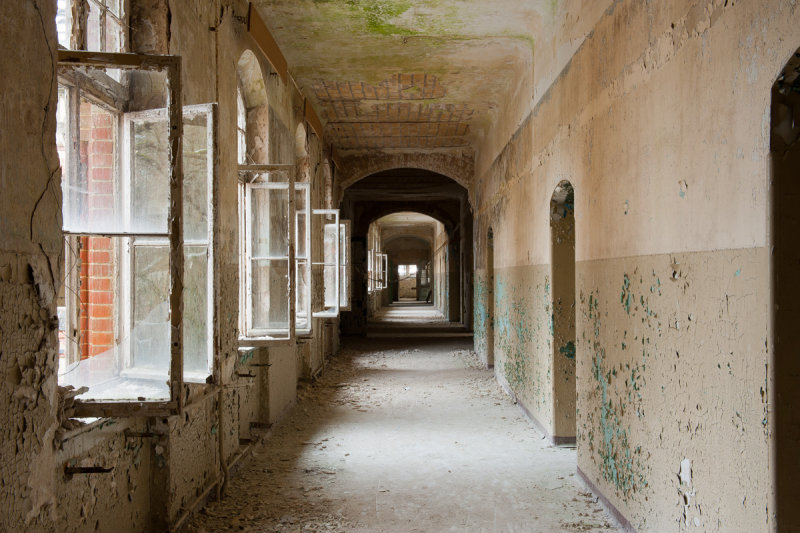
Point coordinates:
[(490, 299), (562, 248), (785, 156)]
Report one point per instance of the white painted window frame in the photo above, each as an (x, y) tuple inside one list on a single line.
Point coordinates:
[(333, 311), (68, 60), (346, 280), (248, 335)]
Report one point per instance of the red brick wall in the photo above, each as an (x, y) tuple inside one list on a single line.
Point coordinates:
[(97, 254)]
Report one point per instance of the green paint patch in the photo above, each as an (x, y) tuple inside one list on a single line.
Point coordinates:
[(246, 356), (568, 350), (619, 462)]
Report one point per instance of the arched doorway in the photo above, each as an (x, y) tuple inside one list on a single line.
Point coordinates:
[(489, 320), (562, 274), (785, 156), (418, 191)]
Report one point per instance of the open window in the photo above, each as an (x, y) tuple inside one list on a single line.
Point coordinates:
[(329, 269), (122, 207), (199, 160), (303, 258), (100, 24), (268, 221), (344, 265), (384, 271)]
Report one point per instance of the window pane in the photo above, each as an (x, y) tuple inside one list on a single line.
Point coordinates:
[(150, 176), (62, 127), (241, 126), (344, 260), (113, 6), (270, 295), (91, 194), (301, 249), (303, 295), (151, 325), (330, 249), (93, 39), (106, 357), (64, 22), (113, 35), (195, 178), (196, 334), (269, 223)]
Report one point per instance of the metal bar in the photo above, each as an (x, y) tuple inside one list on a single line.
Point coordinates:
[(71, 470)]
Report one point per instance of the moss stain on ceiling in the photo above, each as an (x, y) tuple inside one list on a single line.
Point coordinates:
[(479, 52)]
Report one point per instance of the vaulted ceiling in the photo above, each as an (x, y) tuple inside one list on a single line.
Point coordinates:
[(408, 75)]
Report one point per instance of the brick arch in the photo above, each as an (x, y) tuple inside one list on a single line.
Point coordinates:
[(460, 167)]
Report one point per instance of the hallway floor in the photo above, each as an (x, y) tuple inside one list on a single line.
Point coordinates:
[(407, 435)]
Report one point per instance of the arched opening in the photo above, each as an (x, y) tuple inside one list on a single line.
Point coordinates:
[(300, 142), (408, 277), (562, 274), (252, 111), (447, 276), (785, 156), (490, 291)]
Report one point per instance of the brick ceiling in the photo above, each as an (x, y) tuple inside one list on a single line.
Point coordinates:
[(391, 74)]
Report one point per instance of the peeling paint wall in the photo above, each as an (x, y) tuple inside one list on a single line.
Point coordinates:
[(30, 253), (660, 120), (162, 467)]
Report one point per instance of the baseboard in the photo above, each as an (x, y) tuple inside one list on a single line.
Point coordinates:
[(622, 522), (555, 441)]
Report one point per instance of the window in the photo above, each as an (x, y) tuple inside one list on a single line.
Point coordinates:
[(100, 24), (384, 271), (329, 269), (344, 262), (370, 271), (407, 270), (377, 270), (198, 182), (303, 258), (267, 205), (121, 296), (241, 126)]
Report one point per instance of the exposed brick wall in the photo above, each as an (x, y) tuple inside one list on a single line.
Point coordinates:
[(97, 254)]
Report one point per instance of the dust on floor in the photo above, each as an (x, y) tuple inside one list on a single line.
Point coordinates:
[(405, 435)]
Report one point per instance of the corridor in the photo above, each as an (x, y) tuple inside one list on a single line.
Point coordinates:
[(405, 434)]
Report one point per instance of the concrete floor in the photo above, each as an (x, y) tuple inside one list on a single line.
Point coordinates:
[(405, 434)]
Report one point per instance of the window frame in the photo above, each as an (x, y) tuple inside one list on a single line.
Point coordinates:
[(246, 338), (345, 265), (384, 266), (333, 312), (172, 66), (305, 294), (210, 110)]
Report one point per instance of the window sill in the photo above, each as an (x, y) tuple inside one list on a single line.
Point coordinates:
[(261, 342)]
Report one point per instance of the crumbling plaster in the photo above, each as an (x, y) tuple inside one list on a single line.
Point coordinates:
[(660, 119), (161, 468)]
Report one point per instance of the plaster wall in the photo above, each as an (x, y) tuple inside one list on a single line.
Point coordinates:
[(660, 120), (157, 478)]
